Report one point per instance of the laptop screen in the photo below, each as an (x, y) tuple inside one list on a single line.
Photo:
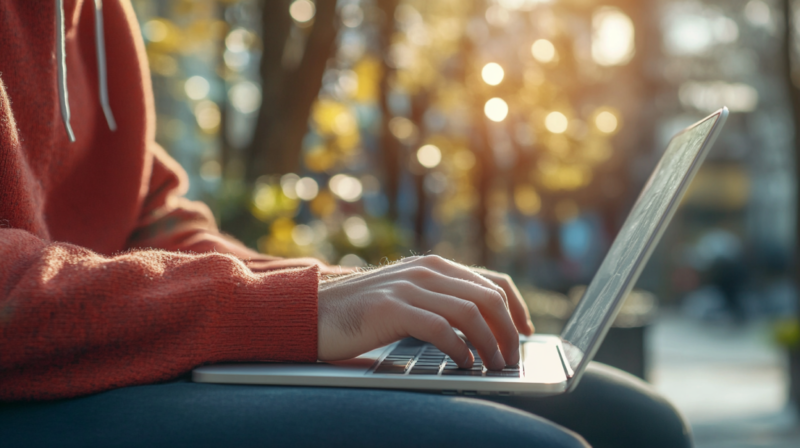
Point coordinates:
[(632, 247)]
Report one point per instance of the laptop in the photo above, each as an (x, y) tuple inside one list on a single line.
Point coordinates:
[(550, 364)]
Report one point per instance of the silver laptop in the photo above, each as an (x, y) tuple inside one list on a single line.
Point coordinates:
[(549, 364)]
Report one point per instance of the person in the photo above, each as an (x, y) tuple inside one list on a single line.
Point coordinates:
[(113, 286)]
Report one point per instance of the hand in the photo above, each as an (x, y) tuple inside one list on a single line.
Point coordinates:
[(423, 297), (516, 304)]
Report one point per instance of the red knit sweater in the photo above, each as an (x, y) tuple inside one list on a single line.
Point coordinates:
[(94, 293)]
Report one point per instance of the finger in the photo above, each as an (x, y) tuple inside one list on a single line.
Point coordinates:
[(456, 270), (466, 316), (433, 328), (516, 304), (518, 308), (490, 305)]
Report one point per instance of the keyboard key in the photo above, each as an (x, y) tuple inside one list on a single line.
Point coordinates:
[(399, 363), (461, 372), (397, 359), (402, 366), (502, 374), (416, 371), (397, 370), (404, 352)]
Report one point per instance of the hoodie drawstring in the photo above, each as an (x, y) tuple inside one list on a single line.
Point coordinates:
[(101, 63), (61, 67)]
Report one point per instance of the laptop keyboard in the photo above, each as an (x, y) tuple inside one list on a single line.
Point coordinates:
[(415, 357)]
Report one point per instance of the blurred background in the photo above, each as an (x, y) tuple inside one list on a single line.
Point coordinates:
[(516, 135)]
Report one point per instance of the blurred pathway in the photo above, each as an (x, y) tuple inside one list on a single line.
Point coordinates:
[(729, 381)]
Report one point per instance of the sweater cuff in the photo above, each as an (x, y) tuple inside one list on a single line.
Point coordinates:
[(272, 317)]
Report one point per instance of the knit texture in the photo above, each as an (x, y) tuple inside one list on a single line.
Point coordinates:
[(108, 276)]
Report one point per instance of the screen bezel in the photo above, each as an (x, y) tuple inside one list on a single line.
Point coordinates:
[(720, 116)]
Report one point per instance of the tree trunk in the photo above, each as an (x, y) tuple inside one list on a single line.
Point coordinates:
[(390, 146), (288, 92), (275, 27)]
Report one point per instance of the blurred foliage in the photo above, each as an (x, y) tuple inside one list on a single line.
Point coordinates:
[(787, 333), (513, 134)]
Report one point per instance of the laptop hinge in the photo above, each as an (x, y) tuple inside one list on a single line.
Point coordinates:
[(567, 370)]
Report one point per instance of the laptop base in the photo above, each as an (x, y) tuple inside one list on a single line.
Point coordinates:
[(542, 372)]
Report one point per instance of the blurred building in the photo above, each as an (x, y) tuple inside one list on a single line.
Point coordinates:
[(734, 237)]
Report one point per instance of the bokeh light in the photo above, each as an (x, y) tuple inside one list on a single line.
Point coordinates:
[(357, 231), (348, 188), (496, 109), (758, 13), (402, 128), (492, 74), (543, 51), (352, 15), (289, 184), (302, 11), (245, 97), (197, 87), (155, 30), (264, 199), (352, 260), (238, 40), (606, 122), (302, 235), (527, 200), (306, 189), (612, 37), (556, 122), (208, 115), (464, 160), (210, 170), (429, 156)]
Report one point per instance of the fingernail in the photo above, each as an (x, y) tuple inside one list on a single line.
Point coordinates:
[(468, 361), (514, 359), (530, 324), (497, 361)]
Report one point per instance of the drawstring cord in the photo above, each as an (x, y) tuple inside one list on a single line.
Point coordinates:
[(101, 64), (61, 67)]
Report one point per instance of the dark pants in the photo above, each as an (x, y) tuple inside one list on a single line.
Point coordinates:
[(609, 408)]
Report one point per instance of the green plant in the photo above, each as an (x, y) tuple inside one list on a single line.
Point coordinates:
[(787, 333)]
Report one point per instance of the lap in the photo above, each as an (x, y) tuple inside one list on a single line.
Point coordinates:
[(189, 414), (611, 408)]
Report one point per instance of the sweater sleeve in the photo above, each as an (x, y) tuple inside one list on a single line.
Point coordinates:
[(171, 222), (73, 322)]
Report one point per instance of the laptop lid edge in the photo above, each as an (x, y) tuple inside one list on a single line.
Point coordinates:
[(644, 256)]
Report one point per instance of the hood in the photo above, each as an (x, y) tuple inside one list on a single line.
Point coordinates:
[(61, 66)]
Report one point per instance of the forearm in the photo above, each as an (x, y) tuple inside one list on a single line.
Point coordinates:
[(74, 322)]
